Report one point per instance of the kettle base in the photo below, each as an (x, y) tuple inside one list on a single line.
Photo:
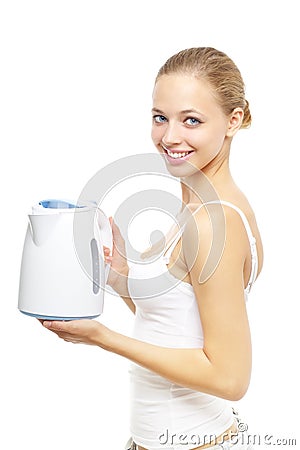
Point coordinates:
[(41, 316)]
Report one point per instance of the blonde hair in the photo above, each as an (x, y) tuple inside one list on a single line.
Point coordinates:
[(218, 70)]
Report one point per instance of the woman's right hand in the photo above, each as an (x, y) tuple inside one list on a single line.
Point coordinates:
[(117, 259)]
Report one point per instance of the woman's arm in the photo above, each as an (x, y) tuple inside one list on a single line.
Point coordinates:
[(222, 367)]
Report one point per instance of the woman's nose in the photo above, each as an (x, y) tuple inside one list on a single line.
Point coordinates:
[(172, 134)]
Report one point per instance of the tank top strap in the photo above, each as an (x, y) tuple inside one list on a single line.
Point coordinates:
[(171, 245), (251, 238), (252, 241)]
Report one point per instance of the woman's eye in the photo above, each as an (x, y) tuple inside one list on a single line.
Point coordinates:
[(159, 119), (192, 121)]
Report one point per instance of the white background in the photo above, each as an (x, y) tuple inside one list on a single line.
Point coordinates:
[(76, 82)]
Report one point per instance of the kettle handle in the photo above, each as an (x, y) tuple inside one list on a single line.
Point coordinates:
[(106, 237)]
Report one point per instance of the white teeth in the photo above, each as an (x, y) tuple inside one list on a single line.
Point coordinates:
[(177, 154)]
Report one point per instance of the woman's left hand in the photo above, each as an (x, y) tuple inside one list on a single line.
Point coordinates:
[(83, 331)]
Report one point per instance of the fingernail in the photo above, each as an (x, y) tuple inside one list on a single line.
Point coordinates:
[(47, 324)]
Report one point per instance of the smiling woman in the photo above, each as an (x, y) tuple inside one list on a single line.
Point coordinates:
[(208, 86), (190, 351)]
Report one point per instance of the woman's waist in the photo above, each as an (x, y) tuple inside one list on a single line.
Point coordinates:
[(162, 415)]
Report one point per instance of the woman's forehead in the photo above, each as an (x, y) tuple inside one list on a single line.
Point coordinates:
[(183, 92)]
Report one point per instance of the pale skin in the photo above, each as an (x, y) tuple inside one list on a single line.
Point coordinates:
[(192, 121)]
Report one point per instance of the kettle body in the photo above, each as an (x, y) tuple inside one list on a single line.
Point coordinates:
[(59, 279)]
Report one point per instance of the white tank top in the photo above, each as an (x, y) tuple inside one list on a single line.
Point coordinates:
[(165, 415)]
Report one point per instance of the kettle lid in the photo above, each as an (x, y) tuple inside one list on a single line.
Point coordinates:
[(55, 206), (58, 204)]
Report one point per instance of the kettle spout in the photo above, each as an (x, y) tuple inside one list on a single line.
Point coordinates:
[(41, 226)]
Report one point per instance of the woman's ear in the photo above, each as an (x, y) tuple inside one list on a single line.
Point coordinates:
[(235, 121)]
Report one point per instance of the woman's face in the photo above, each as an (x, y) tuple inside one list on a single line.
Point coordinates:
[(188, 124)]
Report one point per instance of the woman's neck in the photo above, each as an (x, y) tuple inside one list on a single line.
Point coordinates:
[(207, 185)]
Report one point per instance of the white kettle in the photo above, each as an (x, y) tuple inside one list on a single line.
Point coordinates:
[(63, 273)]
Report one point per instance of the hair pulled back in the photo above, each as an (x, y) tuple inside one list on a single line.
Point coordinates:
[(218, 70)]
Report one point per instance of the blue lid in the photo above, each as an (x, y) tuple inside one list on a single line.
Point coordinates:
[(58, 204)]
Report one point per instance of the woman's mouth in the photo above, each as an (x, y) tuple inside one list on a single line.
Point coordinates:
[(176, 156)]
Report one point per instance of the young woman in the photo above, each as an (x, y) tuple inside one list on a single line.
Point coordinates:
[(191, 346)]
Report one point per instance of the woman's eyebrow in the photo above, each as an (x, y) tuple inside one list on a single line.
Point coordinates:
[(157, 110), (192, 110)]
